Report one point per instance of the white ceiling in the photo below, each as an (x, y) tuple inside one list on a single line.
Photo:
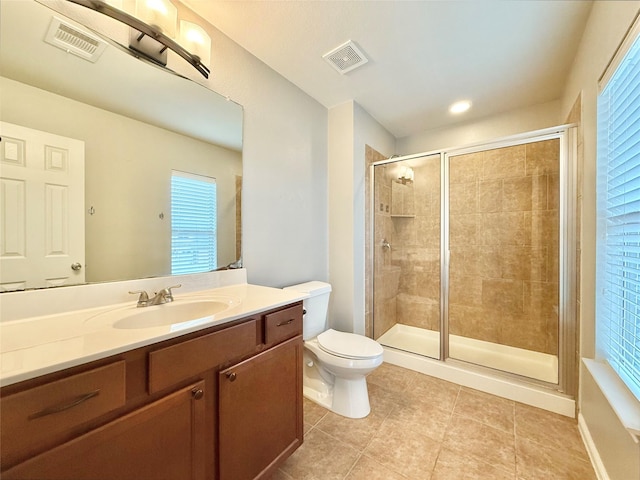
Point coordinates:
[(423, 55)]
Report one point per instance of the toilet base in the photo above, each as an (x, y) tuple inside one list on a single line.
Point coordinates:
[(337, 383), (317, 397), (349, 398)]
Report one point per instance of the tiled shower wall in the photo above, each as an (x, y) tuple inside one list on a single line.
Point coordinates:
[(407, 276), (417, 250), (504, 246)]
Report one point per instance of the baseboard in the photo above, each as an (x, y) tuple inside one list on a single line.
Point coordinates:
[(596, 461), (500, 386)]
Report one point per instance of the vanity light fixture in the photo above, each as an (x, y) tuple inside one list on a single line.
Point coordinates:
[(460, 107), (161, 15), (152, 39), (195, 39), (405, 175)]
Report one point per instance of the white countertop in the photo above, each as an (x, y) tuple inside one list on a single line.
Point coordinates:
[(39, 345)]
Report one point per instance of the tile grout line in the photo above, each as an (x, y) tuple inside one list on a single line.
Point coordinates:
[(446, 430), (361, 453)]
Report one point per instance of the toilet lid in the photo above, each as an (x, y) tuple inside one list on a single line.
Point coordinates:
[(348, 345)]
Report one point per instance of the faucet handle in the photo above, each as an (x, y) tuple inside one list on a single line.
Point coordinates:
[(143, 299), (169, 293)]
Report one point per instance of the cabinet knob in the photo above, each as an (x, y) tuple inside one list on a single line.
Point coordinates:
[(197, 393), (231, 376)]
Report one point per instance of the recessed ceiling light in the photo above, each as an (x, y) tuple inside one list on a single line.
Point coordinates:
[(460, 107)]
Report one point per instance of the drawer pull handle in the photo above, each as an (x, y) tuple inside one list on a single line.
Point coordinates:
[(281, 324), (61, 408), (231, 376)]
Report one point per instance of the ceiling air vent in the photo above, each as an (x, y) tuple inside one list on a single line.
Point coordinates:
[(73, 40), (346, 57)]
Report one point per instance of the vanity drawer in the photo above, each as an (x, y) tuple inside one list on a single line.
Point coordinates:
[(43, 415), (170, 365), (283, 324)]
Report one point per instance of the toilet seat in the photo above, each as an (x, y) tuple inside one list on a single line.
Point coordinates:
[(348, 345)]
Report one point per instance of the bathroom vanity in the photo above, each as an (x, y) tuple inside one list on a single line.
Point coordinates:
[(219, 400)]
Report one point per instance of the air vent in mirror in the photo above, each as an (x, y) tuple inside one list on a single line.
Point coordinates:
[(73, 40)]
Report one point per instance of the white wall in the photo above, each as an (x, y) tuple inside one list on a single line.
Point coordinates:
[(350, 129), (341, 215), (284, 201), (607, 25), (496, 126)]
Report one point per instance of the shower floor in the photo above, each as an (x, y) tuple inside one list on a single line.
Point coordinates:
[(540, 366)]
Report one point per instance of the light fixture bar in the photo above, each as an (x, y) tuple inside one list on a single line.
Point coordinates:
[(106, 9)]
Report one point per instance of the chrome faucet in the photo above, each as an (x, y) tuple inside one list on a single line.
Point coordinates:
[(163, 296), (143, 299)]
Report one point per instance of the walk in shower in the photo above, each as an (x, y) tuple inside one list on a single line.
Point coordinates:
[(473, 257)]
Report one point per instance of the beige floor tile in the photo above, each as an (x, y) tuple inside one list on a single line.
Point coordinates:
[(435, 391), (355, 432), (485, 408), (549, 429), (454, 466), (404, 451), (384, 400), (391, 377), (421, 416), (313, 412), (482, 442), (536, 461), (423, 428), (366, 468), (321, 457), (280, 475)]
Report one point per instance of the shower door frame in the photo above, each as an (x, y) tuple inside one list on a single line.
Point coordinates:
[(567, 300)]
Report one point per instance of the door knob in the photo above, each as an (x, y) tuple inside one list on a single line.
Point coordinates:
[(231, 376), (76, 266)]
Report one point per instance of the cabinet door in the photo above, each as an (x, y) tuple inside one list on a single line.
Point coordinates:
[(162, 440), (260, 420)]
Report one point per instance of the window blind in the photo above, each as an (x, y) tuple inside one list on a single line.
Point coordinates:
[(618, 241), (193, 223)]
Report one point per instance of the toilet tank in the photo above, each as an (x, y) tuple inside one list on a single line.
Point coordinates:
[(316, 307)]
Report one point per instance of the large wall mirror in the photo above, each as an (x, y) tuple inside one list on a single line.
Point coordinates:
[(90, 153)]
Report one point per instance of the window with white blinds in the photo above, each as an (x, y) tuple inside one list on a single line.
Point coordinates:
[(618, 193), (193, 223)]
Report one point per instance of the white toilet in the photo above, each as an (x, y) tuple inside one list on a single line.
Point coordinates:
[(335, 363)]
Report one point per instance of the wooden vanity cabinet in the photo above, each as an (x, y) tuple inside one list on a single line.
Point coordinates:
[(162, 440), (260, 402), (260, 406), (223, 403)]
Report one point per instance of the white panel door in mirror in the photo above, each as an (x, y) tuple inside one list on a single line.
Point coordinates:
[(40, 247)]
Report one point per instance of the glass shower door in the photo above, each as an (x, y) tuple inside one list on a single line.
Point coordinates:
[(406, 254), (503, 295)]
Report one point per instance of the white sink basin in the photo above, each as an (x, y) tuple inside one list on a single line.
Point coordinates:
[(181, 313)]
